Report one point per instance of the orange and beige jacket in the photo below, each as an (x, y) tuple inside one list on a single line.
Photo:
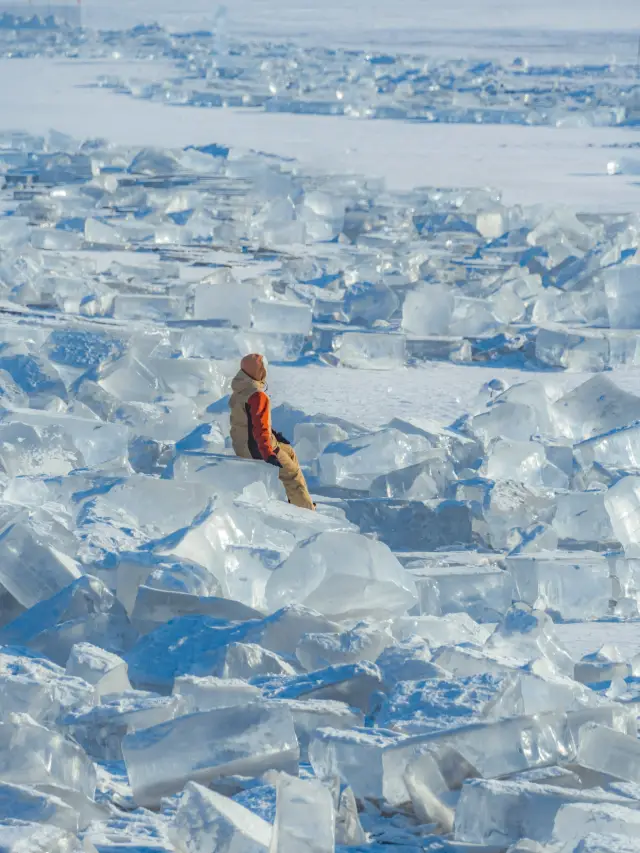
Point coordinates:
[(251, 433)]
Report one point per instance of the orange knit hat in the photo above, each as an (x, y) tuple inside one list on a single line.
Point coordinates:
[(254, 365)]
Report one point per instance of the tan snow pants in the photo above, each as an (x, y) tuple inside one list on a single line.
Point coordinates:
[(292, 478)]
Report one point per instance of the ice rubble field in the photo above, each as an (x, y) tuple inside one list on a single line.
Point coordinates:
[(188, 663)]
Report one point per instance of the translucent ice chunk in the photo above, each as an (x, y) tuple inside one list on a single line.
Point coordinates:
[(425, 481), (584, 349), (500, 813), (483, 591), (33, 566), (561, 225), (426, 785), (354, 684), (461, 662), (354, 756), (35, 686), (84, 611), (575, 820), (619, 448), (309, 715), (442, 631), (373, 350), (282, 631), (24, 837), (428, 310), (408, 661), (202, 747), (595, 842), (27, 807), (344, 576), (221, 297), (621, 287), (365, 303), (323, 215), (155, 606), (526, 634), (577, 587), (154, 161), (582, 517), (100, 730), (26, 451), (248, 660), (349, 831), (622, 502), (100, 445), (205, 694), (355, 464), (602, 666), (193, 377), (305, 821), (208, 822), (310, 439), (35, 376), (506, 505), (516, 460), (472, 317), (593, 408), (275, 316), (158, 507), (610, 752), (33, 755), (363, 642), (130, 379), (149, 307), (529, 694), (493, 749), (514, 421), (106, 671), (225, 475)]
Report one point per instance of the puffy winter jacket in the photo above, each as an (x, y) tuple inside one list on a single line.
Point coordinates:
[(251, 432)]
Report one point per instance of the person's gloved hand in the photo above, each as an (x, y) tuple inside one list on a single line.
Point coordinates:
[(273, 460)]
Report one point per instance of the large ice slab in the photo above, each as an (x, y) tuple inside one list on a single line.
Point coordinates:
[(610, 752), (355, 684), (33, 685), (500, 813), (364, 641), (457, 583), (96, 444), (33, 561), (354, 756), (344, 576), (100, 729), (31, 754), (593, 408), (305, 819), (84, 611), (355, 464), (515, 744), (208, 822), (104, 670), (575, 820), (209, 745), (204, 694), (576, 586)]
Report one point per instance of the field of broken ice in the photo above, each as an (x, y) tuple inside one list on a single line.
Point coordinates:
[(190, 665)]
